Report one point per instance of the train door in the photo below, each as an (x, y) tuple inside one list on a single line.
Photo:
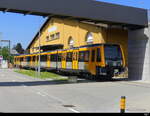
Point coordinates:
[(31, 62), (28, 59), (43, 61), (48, 61), (75, 59), (24, 61), (92, 63), (63, 61), (69, 60), (59, 58)]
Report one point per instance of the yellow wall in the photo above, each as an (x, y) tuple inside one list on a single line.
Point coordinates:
[(78, 31)]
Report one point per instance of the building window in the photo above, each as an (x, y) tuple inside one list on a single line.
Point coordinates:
[(52, 37), (71, 42), (47, 38), (57, 35), (89, 38)]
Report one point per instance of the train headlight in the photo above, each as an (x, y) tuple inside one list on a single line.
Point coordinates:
[(106, 62), (114, 63), (121, 62)]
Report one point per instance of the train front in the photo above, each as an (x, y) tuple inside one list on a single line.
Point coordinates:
[(114, 61)]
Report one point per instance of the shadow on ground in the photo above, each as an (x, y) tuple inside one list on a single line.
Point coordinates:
[(53, 82)]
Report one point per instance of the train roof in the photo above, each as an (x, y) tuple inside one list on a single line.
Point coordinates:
[(85, 46)]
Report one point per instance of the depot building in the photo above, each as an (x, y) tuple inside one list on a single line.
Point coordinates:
[(59, 33), (73, 23)]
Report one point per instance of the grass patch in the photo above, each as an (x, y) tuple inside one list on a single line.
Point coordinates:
[(44, 75)]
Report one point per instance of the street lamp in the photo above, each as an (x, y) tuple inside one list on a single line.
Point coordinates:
[(0, 43), (39, 63)]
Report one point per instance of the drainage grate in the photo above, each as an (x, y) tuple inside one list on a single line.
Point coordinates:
[(69, 106)]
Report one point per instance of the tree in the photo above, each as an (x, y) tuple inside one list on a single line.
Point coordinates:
[(4, 51), (19, 48)]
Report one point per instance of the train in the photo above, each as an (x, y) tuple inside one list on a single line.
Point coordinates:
[(96, 60)]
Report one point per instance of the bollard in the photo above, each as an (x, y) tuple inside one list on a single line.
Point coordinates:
[(72, 79), (122, 104)]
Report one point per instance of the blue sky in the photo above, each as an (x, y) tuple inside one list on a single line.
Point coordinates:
[(20, 28), (135, 3)]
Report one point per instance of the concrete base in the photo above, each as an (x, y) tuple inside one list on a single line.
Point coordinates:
[(72, 79)]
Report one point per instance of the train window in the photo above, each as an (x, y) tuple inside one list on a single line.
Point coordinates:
[(75, 56), (53, 57), (81, 56), (21, 59), (98, 55), (69, 57), (33, 58), (63, 56), (93, 56), (28, 59), (37, 58), (43, 58), (86, 56)]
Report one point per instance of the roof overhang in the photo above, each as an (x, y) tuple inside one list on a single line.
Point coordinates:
[(51, 47), (83, 10)]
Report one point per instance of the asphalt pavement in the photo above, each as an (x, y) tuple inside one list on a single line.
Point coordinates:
[(20, 93)]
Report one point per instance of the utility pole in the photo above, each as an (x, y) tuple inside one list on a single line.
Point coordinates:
[(0, 49), (0, 43), (39, 63)]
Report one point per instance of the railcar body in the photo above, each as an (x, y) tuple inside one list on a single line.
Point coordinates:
[(94, 60)]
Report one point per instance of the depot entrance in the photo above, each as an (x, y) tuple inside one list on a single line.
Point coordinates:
[(97, 13)]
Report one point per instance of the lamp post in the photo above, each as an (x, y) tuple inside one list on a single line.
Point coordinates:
[(39, 62), (0, 43)]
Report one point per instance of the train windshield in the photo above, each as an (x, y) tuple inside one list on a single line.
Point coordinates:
[(113, 52)]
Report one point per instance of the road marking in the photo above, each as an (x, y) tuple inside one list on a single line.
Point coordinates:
[(73, 110), (23, 85), (39, 93), (52, 97)]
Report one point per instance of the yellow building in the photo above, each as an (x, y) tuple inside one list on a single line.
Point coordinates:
[(73, 33)]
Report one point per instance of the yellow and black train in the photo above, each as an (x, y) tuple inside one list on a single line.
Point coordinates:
[(98, 60)]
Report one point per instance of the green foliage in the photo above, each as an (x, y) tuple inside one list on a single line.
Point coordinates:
[(44, 75), (6, 54), (19, 48)]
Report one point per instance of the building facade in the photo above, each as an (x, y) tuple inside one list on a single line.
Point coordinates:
[(73, 33)]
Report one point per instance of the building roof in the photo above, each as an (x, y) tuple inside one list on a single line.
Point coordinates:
[(38, 32), (81, 9), (13, 52)]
